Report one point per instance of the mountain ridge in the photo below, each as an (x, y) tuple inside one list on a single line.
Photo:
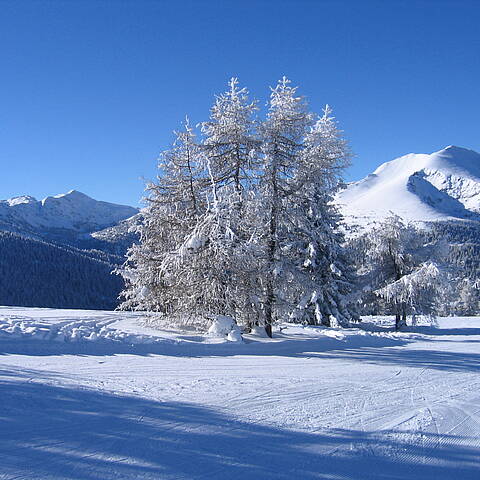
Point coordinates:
[(74, 211), (441, 186)]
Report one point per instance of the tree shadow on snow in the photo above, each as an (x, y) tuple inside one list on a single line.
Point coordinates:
[(416, 358), (62, 432), (440, 332), (430, 330)]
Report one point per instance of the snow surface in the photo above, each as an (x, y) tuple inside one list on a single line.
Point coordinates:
[(73, 210), (312, 403), (444, 185)]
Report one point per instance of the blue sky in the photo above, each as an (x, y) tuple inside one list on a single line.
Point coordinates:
[(91, 91)]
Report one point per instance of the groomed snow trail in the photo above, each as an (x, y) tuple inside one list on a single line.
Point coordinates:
[(137, 403)]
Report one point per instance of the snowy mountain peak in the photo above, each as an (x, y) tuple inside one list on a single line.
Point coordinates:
[(72, 194), (20, 200), (68, 211), (454, 148), (442, 185)]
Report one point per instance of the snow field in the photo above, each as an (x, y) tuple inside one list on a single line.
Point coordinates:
[(312, 403)]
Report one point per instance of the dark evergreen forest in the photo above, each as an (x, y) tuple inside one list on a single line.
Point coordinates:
[(37, 273)]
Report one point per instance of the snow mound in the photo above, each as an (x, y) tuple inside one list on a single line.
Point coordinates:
[(225, 327)]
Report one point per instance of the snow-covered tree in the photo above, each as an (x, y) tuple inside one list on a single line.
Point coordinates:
[(325, 277), (398, 272), (467, 301), (195, 220), (241, 222), (306, 276), (282, 135), (413, 293), (174, 204), (229, 138), (211, 268)]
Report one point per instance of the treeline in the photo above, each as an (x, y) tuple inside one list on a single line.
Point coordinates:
[(462, 257)]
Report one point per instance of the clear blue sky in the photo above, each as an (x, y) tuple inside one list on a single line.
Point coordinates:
[(90, 91)]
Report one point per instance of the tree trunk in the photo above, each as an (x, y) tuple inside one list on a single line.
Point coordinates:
[(326, 321), (271, 254), (268, 329), (397, 322), (269, 303)]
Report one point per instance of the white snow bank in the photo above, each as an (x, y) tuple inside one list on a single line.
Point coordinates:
[(85, 330), (22, 323)]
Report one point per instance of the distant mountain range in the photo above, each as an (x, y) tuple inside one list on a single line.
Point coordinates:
[(439, 192), (60, 251), (69, 213)]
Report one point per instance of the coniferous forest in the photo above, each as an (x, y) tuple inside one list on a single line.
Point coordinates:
[(37, 273)]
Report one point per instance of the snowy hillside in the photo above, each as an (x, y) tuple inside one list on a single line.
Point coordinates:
[(69, 211), (96, 395), (444, 185)]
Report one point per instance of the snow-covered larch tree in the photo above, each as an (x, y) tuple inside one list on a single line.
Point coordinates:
[(213, 266), (174, 204), (241, 224), (398, 274), (282, 135), (304, 272), (413, 294), (230, 142)]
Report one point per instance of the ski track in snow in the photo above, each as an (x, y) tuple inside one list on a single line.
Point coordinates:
[(138, 403)]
